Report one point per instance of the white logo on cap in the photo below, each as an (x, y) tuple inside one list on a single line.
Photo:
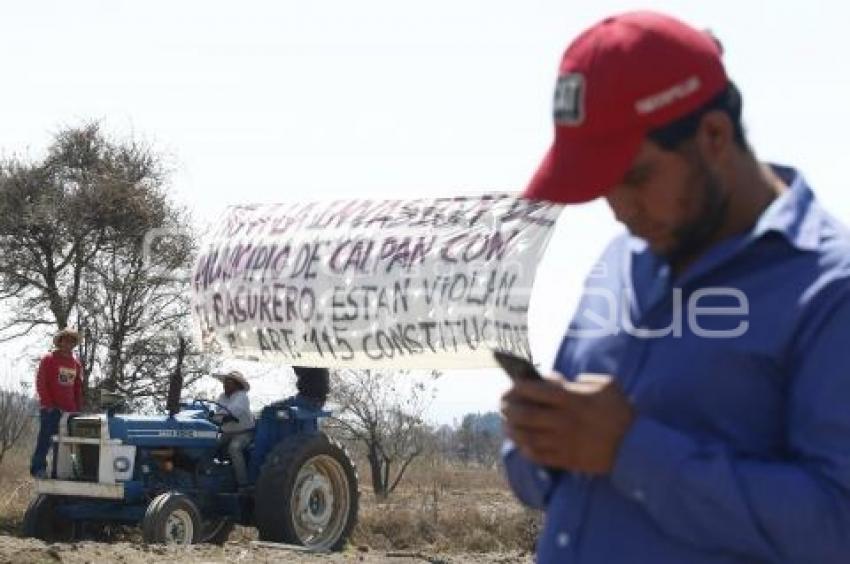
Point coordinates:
[(569, 99), (657, 101)]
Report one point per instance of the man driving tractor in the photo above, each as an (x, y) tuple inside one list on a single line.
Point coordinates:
[(236, 420)]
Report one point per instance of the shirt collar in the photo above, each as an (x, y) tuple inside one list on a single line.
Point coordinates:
[(794, 214)]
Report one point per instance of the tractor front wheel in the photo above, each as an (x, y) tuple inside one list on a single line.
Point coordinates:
[(307, 494), (172, 518)]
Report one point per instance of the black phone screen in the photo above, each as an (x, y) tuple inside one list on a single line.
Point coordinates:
[(516, 367)]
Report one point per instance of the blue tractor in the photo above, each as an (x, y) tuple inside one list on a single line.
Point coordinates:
[(167, 474)]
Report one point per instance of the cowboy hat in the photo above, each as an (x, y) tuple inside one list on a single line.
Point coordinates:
[(66, 332), (236, 376)]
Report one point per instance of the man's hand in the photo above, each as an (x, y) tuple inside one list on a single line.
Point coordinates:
[(221, 418), (568, 425)]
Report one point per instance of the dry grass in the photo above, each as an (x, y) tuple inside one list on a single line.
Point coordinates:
[(447, 508), (15, 488)]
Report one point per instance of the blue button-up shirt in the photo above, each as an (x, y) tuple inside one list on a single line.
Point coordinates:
[(739, 372)]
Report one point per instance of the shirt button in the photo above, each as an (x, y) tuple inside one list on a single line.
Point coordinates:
[(639, 495), (543, 475), (563, 539)]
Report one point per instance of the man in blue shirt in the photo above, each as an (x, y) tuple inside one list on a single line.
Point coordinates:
[(700, 406)]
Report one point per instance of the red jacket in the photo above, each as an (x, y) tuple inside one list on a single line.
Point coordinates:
[(60, 382)]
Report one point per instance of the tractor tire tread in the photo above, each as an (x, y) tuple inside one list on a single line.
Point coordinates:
[(275, 481), (158, 509)]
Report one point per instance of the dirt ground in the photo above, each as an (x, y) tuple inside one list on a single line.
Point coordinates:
[(442, 514), (15, 550)]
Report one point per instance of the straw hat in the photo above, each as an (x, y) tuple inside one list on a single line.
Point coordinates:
[(66, 332), (234, 375)]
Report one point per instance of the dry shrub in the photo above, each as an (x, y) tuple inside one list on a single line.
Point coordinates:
[(457, 476), (448, 508), (457, 529)]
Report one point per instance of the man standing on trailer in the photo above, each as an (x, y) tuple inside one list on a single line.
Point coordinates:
[(59, 383)]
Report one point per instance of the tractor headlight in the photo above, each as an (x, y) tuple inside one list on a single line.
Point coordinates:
[(121, 464)]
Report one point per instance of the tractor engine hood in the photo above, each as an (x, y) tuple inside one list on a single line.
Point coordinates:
[(187, 429)]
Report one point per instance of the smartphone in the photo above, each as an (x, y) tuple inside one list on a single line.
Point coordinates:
[(517, 368)]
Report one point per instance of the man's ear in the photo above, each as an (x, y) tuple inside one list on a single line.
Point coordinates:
[(715, 137)]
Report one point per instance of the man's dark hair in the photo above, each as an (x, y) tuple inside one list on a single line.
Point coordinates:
[(671, 136), (312, 383)]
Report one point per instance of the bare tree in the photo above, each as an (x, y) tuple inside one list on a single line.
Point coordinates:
[(57, 214), (479, 438), (134, 310), (15, 409), (73, 251), (383, 412)]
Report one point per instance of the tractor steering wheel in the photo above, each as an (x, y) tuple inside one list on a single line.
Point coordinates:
[(204, 403)]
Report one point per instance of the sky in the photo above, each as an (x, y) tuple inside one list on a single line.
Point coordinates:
[(275, 101)]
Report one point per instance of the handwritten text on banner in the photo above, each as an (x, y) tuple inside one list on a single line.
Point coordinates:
[(432, 283)]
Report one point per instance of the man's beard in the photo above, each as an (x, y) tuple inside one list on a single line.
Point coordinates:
[(694, 237)]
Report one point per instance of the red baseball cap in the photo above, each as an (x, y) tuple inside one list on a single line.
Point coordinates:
[(619, 79)]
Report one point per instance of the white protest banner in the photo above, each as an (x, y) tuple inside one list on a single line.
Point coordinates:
[(429, 283)]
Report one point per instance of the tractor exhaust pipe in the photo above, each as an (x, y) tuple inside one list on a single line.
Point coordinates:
[(175, 383)]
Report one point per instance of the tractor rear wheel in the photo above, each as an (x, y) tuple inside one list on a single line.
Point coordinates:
[(171, 518), (307, 494), (41, 521)]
